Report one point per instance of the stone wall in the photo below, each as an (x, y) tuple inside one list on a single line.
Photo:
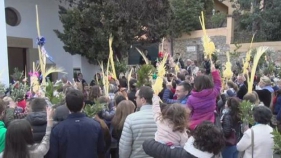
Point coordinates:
[(180, 46)]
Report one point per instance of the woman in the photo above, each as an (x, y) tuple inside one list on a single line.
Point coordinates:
[(19, 139), (207, 141), (266, 93), (123, 109), (259, 134), (94, 94), (231, 122)]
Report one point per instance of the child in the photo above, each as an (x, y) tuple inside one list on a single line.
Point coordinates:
[(171, 123), (202, 101)]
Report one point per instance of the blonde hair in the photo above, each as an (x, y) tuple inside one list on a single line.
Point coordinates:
[(266, 81)]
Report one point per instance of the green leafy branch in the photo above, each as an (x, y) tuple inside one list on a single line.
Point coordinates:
[(92, 110), (55, 99), (277, 140), (246, 112), (144, 75)]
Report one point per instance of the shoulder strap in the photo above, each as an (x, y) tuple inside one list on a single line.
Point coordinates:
[(252, 140)]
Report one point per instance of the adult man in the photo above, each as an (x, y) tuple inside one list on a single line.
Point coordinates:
[(179, 61), (243, 86), (65, 81), (182, 92), (138, 126), (77, 136), (189, 66), (37, 117)]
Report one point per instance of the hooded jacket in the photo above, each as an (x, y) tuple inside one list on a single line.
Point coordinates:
[(2, 136), (38, 121), (203, 104)]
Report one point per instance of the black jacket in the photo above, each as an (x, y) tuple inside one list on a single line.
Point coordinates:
[(38, 121), (158, 150)]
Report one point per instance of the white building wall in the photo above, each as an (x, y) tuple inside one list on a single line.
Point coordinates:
[(4, 71), (49, 21), (88, 70)]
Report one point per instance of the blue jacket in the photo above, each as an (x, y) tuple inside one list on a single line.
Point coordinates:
[(277, 108), (76, 137), (166, 98)]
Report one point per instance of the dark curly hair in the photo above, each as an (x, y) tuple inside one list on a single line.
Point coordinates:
[(177, 115), (208, 137), (235, 112)]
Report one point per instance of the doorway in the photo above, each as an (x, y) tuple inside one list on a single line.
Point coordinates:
[(16, 59)]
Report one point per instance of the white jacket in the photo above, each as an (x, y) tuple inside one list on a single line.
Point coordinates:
[(263, 142), (138, 127)]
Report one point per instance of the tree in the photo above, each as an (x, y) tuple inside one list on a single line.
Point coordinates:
[(261, 17), (88, 24)]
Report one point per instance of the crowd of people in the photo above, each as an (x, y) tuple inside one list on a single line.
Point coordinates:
[(195, 115)]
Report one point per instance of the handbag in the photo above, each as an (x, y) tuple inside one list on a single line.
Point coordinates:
[(232, 140), (252, 144)]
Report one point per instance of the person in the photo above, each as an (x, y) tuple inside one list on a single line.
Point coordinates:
[(171, 123), (182, 93), (80, 79), (38, 118), (260, 134), (132, 90), (179, 61), (138, 126), (65, 81), (231, 127), (141, 60), (207, 141), (78, 135), (231, 89), (19, 140), (3, 129), (202, 101), (266, 93), (243, 86)]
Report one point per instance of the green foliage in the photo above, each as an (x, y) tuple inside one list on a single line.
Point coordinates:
[(120, 67), (145, 73), (246, 112), (218, 20), (18, 91), (92, 110), (88, 24), (265, 22), (2, 89), (51, 89), (277, 140), (17, 75)]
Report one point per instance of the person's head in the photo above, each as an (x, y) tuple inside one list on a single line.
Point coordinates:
[(144, 96), (95, 92), (103, 100), (251, 97), (233, 105), (182, 90), (118, 99), (201, 72), (231, 84), (177, 115), (181, 76), (124, 108), (80, 76), (133, 84), (188, 62), (18, 137), (264, 81), (38, 105), (145, 52), (64, 79), (202, 82), (208, 137), (262, 114), (112, 88), (3, 107), (74, 100), (241, 79)]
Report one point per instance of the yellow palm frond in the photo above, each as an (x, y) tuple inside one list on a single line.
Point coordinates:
[(110, 41), (53, 69), (260, 52), (161, 71), (227, 73), (144, 57), (209, 46)]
